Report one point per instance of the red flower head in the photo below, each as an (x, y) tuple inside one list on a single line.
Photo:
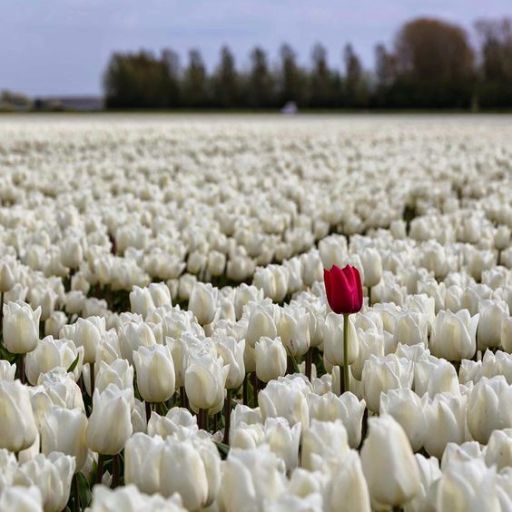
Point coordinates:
[(344, 290)]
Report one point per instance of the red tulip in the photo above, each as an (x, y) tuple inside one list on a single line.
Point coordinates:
[(344, 289)]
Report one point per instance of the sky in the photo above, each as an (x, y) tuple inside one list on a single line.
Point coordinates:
[(62, 47)]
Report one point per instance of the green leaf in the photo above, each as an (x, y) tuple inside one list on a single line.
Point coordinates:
[(74, 363), (223, 449), (84, 492)]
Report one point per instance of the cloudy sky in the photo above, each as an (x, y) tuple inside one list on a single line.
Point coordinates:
[(52, 47)]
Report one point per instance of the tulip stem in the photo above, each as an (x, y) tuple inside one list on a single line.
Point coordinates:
[(227, 416), (99, 472), (345, 352), (115, 471), (92, 379), (245, 390), (202, 419), (76, 498), (148, 411), (254, 380), (309, 362), (21, 363)]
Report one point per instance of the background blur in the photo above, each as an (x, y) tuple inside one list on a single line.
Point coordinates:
[(255, 54)]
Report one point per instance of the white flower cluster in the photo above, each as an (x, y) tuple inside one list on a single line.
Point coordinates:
[(167, 345)]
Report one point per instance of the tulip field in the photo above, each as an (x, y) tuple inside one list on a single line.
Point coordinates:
[(255, 313)]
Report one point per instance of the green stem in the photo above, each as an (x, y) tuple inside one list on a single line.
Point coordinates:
[(227, 416), (99, 473), (345, 352), (76, 497)]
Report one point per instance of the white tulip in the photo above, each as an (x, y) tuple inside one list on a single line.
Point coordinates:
[(203, 302), (250, 478), (64, 430), (261, 323), (293, 329), (387, 446), (407, 408), (380, 374), (232, 354), (433, 376), (88, 334), (119, 373), (129, 499), (21, 499), (347, 408), (7, 370), (50, 354), (284, 398), (155, 373), (110, 424), (141, 301), (499, 449), (445, 419), (323, 443), (411, 328), (52, 474), (271, 359), (372, 264), (283, 440), (347, 489), (489, 407), (20, 327), (454, 335), (205, 378), (469, 486), (424, 501), (492, 315), (18, 428)]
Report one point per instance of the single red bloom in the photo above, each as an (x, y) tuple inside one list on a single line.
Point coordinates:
[(344, 289)]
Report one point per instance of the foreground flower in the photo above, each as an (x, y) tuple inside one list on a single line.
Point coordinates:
[(345, 296), (389, 464), (17, 424), (20, 327), (110, 422), (344, 290)]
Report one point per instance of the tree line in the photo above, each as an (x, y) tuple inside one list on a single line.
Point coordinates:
[(431, 64)]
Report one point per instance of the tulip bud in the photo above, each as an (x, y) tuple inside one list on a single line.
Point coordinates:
[(88, 334), (347, 489), (454, 335), (50, 354), (205, 378), (284, 440), (468, 485), (118, 372), (64, 430), (155, 373), (502, 237), (324, 442), (232, 353), (430, 473), (7, 371), (18, 428), (411, 328), (52, 474), (285, 398), (293, 329), (20, 327), (261, 323), (250, 478), (271, 359), (110, 424), (160, 294), (407, 408), (141, 301), (372, 264), (347, 408), (387, 446), (129, 498), (343, 289), (499, 449), (71, 254), (203, 302), (492, 315), (133, 335), (381, 374), (489, 407), (21, 499), (446, 418), (7, 280)]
